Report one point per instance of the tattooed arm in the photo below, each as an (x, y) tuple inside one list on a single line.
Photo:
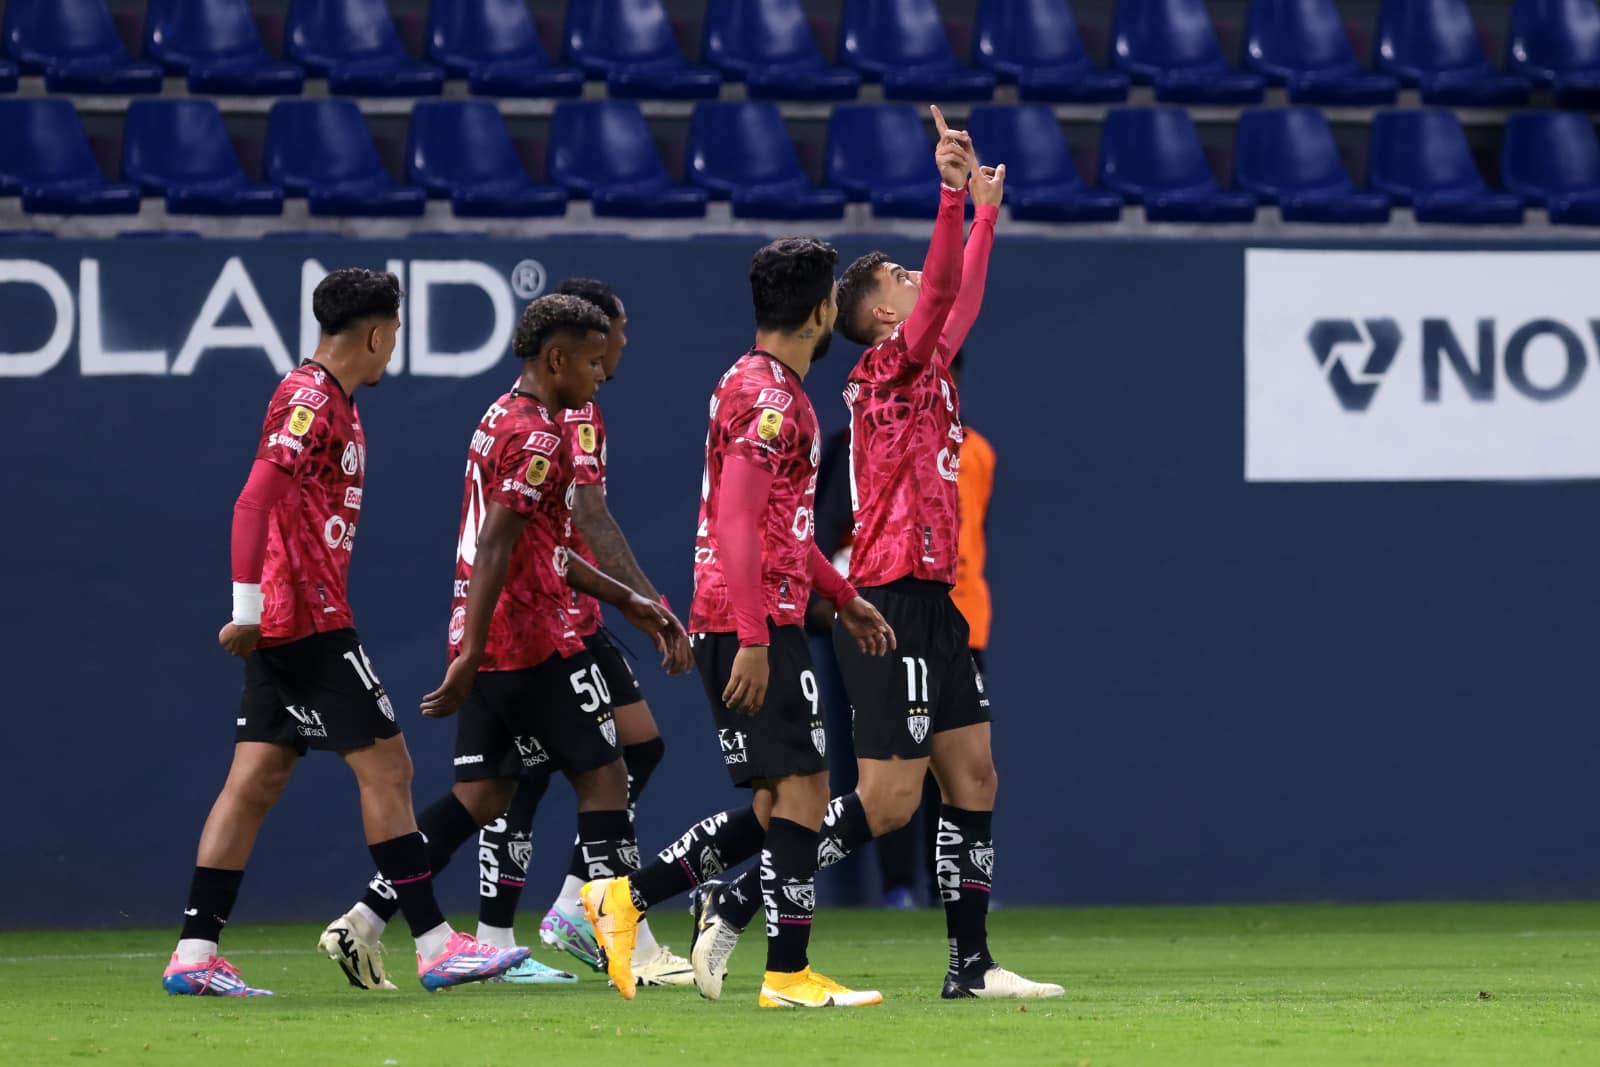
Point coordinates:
[(604, 538)]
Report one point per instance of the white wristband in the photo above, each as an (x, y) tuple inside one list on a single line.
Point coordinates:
[(247, 601)]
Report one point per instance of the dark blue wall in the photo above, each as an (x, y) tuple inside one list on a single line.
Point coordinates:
[(1205, 690)]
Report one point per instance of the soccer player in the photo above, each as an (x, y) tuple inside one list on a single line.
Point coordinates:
[(307, 681), (755, 564), (926, 704), (505, 844), (527, 689)]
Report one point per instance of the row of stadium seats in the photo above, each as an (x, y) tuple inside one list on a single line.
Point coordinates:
[(602, 151), (1432, 45)]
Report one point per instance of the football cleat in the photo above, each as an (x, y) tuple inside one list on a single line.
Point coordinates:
[(358, 956), (609, 905), (572, 933), (808, 989), (997, 983), (532, 972), (715, 938), (211, 977), (663, 969), (466, 959)]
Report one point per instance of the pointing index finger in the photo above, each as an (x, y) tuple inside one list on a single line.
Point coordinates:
[(938, 120)]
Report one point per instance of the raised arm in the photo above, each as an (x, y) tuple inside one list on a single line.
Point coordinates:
[(988, 185), (941, 271)]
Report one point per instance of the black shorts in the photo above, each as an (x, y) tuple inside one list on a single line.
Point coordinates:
[(928, 684), (553, 715), (318, 692), (614, 665), (785, 739)]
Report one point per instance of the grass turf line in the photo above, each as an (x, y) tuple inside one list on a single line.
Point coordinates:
[(1302, 985)]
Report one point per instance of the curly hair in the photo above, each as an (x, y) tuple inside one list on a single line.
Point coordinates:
[(856, 290), (788, 279), (552, 315), (353, 295), (595, 291)]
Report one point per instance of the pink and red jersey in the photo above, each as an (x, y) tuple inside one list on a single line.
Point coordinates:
[(760, 413), (905, 457), (585, 431), (311, 431), (519, 459)]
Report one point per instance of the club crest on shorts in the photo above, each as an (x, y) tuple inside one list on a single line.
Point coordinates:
[(609, 730), (983, 859), (819, 740), (385, 705), (918, 725), (802, 896), (520, 852)]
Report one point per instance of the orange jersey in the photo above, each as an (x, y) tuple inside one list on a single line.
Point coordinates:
[(971, 592)]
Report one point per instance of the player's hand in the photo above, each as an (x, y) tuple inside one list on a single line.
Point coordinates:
[(872, 632), (953, 154), (988, 185), (747, 682), (457, 686), (664, 629), (239, 640)]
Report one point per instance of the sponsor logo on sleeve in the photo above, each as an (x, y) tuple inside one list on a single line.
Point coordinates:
[(775, 398), (300, 420), (769, 424), (283, 440), (538, 468), (311, 398), (586, 437), (543, 443)]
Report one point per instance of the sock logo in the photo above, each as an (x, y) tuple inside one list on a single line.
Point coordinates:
[(829, 852), (802, 895), (982, 858), (710, 863), (519, 850), (629, 855)]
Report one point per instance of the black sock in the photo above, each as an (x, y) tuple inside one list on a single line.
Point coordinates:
[(447, 826), (740, 899), (788, 890), (403, 863), (641, 761), (965, 866), (504, 849), (844, 829), (710, 847), (605, 848), (212, 892)]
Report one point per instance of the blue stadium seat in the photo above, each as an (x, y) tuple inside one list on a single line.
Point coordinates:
[(881, 153), (8, 77), (1302, 44), (160, 235), (1172, 45), (1288, 157), (1421, 158), (602, 151), (1552, 158), (322, 150), (494, 44), (354, 44), (742, 152), (1042, 183), (902, 43), (74, 44), (45, 159), (180, 149), (1555, 44), (1152, 155), (461, 150), (629, 43), (767, 44), (1036, 44), (1433, 45), (214, 43)]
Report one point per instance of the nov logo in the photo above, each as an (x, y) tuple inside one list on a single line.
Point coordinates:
[(1337, 341)]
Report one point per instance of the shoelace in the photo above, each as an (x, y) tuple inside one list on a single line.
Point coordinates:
[(211, 969)]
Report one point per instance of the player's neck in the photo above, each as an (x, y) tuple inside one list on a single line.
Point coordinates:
[(328, 358), (529, 386), (792, 351)]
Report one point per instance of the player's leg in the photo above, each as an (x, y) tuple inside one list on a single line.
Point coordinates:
[(255, 781)]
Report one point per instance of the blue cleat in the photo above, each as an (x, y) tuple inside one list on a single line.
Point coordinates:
[(211, 977), (466, 959), (532, 972)]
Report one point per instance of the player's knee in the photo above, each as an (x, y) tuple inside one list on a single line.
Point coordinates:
[(602, 789), (260, 789), (985, 785), (890, 805)]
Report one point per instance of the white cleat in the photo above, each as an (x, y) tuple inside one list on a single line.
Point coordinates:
[(997, 983), (360, 957), (663, 969), (715, 938)]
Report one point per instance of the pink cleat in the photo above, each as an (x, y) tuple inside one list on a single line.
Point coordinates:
[(466, 959), (212, 977)]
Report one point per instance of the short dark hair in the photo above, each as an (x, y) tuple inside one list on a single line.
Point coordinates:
[(595, 291), (856, 289), (353, 295), (788, 279), (557, 313)]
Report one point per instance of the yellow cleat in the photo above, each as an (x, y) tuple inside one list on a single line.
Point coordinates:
[(609, 905), (808, 989)]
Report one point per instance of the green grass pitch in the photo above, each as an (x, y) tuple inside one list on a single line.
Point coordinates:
[(1300, 985)]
